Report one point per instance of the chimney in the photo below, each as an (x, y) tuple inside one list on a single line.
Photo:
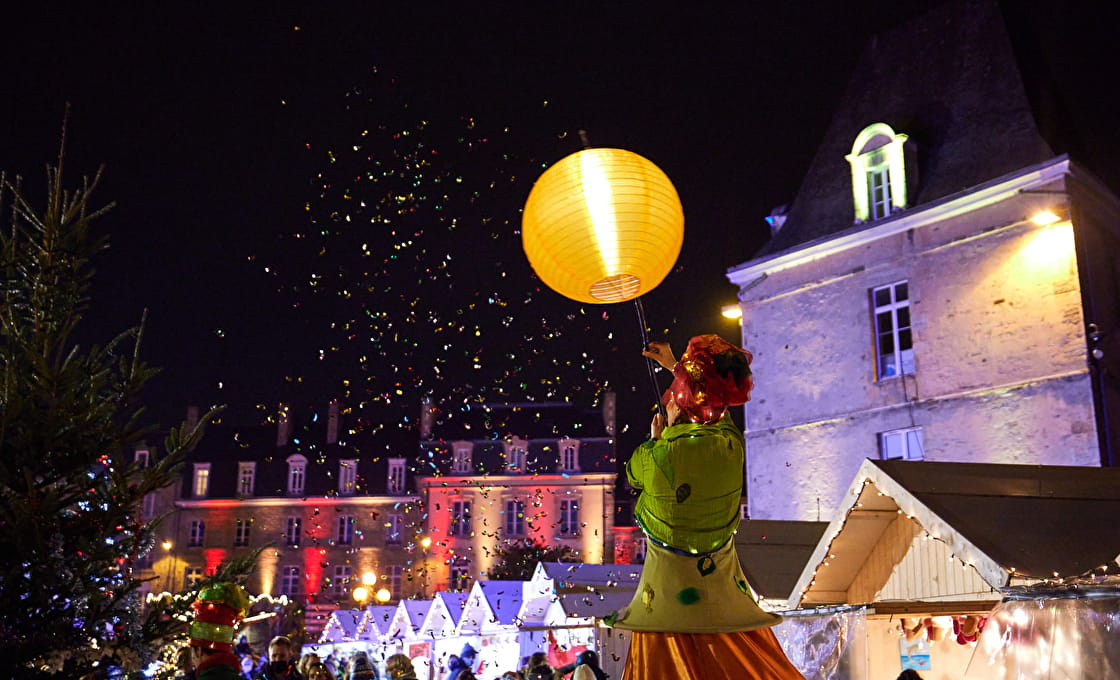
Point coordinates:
[(332, 422), (282, 426), (192, 417)]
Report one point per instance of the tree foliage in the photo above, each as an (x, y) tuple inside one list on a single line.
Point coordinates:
[(516, 559), (71, 523)]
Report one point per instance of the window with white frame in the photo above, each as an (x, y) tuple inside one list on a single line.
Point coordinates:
[(461, 457), (569, 517), (894, 347), (241, 531), (198, 533), (743, 512), (394, 528), (143, 457), (341, 581), (460, 518), (297, 474), (513, 523), (290, 583), (515, 455), (201, 484), (347, 476), (396, 475), (878, 166), (193, 576), (344, 534), (292, 530), (569, 455), (904, 444), (246, 473)]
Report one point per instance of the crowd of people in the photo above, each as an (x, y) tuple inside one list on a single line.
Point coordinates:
[(283, 662)]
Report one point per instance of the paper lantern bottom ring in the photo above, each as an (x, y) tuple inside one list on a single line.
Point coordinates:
[(617, 288)]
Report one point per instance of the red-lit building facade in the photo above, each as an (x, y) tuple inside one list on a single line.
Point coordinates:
[(541, 472)]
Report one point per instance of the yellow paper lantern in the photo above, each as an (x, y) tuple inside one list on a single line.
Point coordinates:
[(603, 225)]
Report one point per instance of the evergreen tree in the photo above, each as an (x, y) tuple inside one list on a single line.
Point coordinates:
[(516, 560), (71, 521)]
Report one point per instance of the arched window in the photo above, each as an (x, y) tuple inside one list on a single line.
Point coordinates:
[(878, 172)]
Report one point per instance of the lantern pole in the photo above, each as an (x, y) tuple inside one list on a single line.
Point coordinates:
[(649, 362), (583, 138)]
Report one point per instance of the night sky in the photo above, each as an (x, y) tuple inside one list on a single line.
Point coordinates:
[(229, 139)]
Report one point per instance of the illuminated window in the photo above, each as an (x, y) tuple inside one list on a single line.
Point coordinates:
[(460, 575), (198, 533), (292, 530), (396, 577), (460, 518), (569, 455), (290, 582), (241, 532), (514, 520), (394, 526), (461, 457), (396, 475), (143, 457), (515, 455), (893, 341), (297, 474), (345, 530), (341, 581), (193, 576), (201, 486), (903, 444), (569, 518), (246, 472), (878, 172), (347, 476)]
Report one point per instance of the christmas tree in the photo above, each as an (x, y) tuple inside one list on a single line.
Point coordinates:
[(72, 528)]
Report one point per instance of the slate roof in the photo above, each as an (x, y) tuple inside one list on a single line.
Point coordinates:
[(950, 80), (773, 553), (541, 424)]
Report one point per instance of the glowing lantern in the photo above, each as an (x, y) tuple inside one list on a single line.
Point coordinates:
[(603, 225)]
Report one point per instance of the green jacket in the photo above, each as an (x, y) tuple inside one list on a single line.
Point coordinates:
[(691, 481)]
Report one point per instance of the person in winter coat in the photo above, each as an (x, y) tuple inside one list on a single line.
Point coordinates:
[(587, 658), (281, 661), (463, 662), (399, 667)]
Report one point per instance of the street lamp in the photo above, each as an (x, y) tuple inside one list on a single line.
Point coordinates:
[(361, 594), (170, 558), (384, 595)]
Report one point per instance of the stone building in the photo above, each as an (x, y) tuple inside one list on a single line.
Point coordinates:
[(942, 288), (542, 472), (326, 513)]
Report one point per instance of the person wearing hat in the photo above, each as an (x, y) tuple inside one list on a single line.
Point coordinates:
[(693, 614), (218, 610), (399, 667)]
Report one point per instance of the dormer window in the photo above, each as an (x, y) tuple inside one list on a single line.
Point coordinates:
[(297, 474), (201, 483), (569, 455), (461, 457), (878, 172), (347, 476), (396, 475), (246, 471), (515, 455)]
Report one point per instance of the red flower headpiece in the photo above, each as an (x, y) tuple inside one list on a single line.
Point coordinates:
[(711, 375)]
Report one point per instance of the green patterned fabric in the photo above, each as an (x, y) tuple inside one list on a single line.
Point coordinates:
[(691, 481)]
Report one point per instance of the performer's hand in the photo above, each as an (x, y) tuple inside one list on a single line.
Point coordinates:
[(673, 411), (662, 354), (656, 426)]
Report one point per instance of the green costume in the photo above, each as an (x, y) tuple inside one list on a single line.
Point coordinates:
[(691, 481)]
